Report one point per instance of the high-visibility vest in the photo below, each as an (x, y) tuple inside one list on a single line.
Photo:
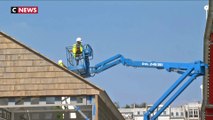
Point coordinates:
[(77, 49)]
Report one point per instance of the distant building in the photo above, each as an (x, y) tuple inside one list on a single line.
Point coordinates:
[(138, 113), (190, 111)]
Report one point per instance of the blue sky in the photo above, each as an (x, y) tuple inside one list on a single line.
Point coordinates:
[(141, 30)]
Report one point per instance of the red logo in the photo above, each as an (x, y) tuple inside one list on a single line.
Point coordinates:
[(24, 10)]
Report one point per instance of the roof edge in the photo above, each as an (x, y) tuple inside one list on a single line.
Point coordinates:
[(104, 96)]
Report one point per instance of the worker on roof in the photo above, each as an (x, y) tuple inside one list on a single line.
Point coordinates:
[(60, 62), (77, 49)]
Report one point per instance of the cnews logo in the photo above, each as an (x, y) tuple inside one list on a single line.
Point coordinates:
[(24, 10)]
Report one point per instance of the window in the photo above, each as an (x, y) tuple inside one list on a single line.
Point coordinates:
[(190, 113), (19, 101), (79, 99), (196, 113), (181, 114), (73, 98), (172, 114), (164, 112), (138, 112), (186, 114), (42, 99), (3, 101), (177, 114), (34, 100), (58, 99), (50, 100)]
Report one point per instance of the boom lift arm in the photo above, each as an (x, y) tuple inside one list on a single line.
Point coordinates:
[(190, 70)]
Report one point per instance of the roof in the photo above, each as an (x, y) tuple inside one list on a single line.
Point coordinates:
[(44, 57), (26, 72)]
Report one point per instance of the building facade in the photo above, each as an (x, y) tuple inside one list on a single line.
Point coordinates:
[(190, 111)]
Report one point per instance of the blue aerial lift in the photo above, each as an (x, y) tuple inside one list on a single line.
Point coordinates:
[(190, 70)]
